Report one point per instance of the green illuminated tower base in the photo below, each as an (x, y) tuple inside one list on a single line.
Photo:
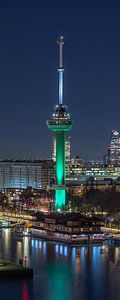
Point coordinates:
[(60, 125), (60, 199)]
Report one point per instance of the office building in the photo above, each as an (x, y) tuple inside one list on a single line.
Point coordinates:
[(67, 153), (114, 149), (20, 174)]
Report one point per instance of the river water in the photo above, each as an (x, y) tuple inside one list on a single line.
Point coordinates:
[(61, 272)]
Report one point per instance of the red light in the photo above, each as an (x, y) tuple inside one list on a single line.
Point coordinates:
[(25, 292)]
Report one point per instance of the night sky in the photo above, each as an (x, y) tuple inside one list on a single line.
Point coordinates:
[(28, 74)]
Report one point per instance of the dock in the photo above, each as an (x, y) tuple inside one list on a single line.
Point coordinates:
[(11, 270)]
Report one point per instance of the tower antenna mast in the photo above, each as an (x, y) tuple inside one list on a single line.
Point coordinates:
[(60, 70)]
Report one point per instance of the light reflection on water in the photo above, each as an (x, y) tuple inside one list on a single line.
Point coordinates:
[(60, 271)]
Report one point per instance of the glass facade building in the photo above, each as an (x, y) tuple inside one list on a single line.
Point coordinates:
[(114, 149), (67, 154)]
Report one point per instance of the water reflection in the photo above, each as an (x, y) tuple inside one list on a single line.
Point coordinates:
[(66, 251), (44, 248), (26, 248), (73, 253), (25, 295), (6, 236), (16, 290), (19, 249), (62, 272)]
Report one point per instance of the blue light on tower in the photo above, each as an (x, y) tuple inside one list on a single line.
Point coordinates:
[(60, 85)]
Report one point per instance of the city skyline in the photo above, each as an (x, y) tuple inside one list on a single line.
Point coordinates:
[(28, 76), (59, 150)]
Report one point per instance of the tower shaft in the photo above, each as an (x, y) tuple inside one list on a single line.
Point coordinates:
[(60, 158), (60, 169)]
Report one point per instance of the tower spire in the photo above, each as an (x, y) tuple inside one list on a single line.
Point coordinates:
[(60, 42)]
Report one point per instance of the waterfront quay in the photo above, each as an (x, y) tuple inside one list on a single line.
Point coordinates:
[(11, 270), (72, 228), (69, 228)]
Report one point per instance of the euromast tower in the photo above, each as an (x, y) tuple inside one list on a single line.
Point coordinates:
[(60, 123)]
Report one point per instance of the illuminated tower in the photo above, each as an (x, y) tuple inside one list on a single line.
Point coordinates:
[(60, 123)]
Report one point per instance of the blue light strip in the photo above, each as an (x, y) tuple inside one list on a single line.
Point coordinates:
[(60, 71)]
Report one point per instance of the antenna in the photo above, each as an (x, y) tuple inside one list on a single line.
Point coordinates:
[(60, 42)]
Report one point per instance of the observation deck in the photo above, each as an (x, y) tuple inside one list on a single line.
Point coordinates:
[(61, 120)]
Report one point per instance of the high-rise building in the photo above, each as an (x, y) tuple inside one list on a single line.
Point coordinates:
[(20, 174), (105, 160), (67, 149), (76, 166), (114, 149), (60, 123), (67, 153)]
